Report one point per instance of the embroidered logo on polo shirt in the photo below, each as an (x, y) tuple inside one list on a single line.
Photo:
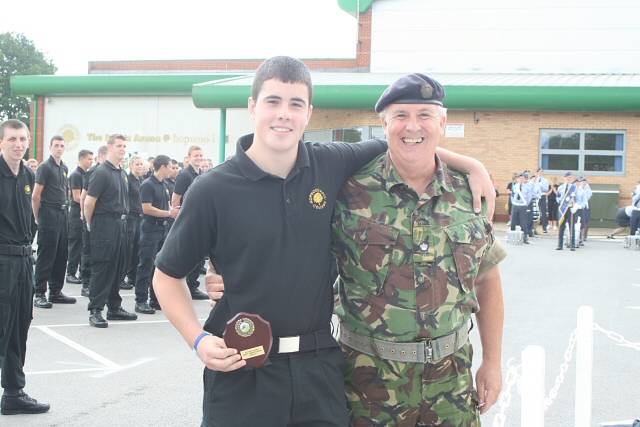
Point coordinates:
[(27, 189), (317, 198)]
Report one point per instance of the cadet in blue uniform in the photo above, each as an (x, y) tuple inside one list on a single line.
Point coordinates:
[(183, 181), (154, 195), (105, 210), (542, 189), (264, 218), (567, 193), (134, 218), (520, 199), (74, 263), (17, 228), (50, 208)]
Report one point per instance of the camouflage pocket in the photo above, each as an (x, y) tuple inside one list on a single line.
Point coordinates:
[(370, 246), (469, 241)]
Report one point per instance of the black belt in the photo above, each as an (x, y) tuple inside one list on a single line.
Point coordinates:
[(309, 342), (156, 221), (55, 206), (121, 217), (16, 250), (135, 215)]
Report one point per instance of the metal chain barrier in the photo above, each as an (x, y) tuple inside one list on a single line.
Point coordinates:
[(513, 373), (568, 355), (617, 338)]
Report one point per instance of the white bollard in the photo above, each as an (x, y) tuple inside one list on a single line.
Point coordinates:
[(584, 366), (532, 387)]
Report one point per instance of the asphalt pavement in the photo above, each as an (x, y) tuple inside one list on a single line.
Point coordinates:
[(143, 374)]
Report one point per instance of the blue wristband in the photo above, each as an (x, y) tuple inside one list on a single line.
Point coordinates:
[(198, 339)]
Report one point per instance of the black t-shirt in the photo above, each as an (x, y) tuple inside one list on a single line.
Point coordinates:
[(17, 225), (53, 177), (184, 180), (154, 192), (135, 205), (108, 184), (75, 183), (269, 237)]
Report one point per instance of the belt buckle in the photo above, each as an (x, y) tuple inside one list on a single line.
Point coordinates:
[(289, 344), (428, 350)]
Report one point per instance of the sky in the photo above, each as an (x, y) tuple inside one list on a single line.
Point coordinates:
[(72, 33)]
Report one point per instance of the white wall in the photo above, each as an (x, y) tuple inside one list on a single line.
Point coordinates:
[(572, 36), (154, 125)]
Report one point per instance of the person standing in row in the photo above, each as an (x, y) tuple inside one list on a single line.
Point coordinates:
[(170, 182), (105, 210), (85, 159), (520, 199), (154, 195), (183, 182), (134, 179), (17, 228), (85, 257), (50, 208), (542, 188), (567, 193)]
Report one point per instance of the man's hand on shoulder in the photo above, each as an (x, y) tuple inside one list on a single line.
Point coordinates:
[(214, 285), (481, 186)]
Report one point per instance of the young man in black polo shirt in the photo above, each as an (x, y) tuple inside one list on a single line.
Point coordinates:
[(134, 218), (184, 180), (105, 211), (85, 257), (74, 263), (17, 228), (155, 225), (264, 218), (50, 208)]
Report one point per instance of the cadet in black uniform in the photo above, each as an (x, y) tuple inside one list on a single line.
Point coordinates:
[(50, 208), (85, 258), (136, 170), (155, 225), (170, 182), (105, 210), (74, 263), (17, 228), (183, 182)]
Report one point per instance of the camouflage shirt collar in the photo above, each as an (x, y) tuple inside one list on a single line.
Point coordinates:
[(441, 182)]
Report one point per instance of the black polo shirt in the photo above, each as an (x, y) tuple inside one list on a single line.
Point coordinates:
[(154, 192), (75, 183), (16, 218), (87, 176), (108, 184), (269, 237), (171, 185), (184, 180), (53, 177), (135, 205)]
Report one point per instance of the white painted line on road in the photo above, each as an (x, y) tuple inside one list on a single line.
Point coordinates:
[(63, 371), (124, 367), (84, 350), (135, 322)]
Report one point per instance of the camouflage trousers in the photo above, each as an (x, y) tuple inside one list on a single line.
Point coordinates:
[(387, 393)]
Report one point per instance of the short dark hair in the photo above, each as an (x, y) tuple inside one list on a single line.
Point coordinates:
[(12, 124), (84, 153), (283, 68), (192, 149), (160, 161), (102, 150), (174, 161), (56, 138), (112, 138)]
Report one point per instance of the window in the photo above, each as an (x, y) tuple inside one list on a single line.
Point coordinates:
[(593, 152), (358, 134)]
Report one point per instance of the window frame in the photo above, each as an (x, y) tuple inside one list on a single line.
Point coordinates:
[(581, 152)]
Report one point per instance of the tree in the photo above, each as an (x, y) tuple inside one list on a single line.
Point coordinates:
[(18, 56)]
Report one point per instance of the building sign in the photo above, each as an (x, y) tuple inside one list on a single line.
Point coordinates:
[(454, 130)]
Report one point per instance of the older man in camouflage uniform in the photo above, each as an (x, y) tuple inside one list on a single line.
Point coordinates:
[(415, 262)]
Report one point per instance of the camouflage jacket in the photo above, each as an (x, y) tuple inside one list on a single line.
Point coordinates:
[(408, 263)]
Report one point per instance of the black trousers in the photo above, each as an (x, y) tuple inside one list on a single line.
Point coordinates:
[(520, 216), (74, 253), (570, 220), (151, 239), (108, 261), (16, 312), (133, 246), (302, 389), (51, 264), (85, 257), (544, 217), (192, 277)]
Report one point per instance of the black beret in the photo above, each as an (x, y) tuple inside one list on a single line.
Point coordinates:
[(566, 174), (413, 88)]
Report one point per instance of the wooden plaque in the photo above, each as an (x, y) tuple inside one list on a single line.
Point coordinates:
[(251, 335)]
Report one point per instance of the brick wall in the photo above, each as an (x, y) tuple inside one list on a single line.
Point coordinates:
[(508, 141)]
